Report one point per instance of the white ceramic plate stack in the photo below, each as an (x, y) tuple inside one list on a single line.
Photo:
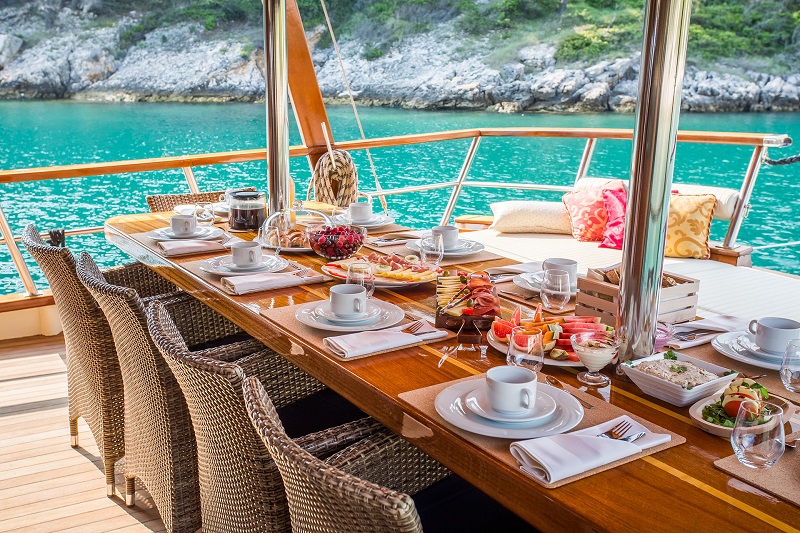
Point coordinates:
[(734, 345), (459, 404), (199, 234), (672, 392), (377, 221), (464, 248), (224, 266), (379, 315)]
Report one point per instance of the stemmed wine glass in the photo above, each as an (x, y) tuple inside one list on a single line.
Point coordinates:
[(525, 349), (790, 367), (431, 250), (758, 439), (555, 289), (360, 273)]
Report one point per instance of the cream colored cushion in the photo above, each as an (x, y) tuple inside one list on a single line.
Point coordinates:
[(689, 225), (528, 216)]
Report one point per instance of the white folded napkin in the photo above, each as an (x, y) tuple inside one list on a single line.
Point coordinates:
[(507, 273), (192, 246), (720, 324), (398, 237), (551, 459), (366, 342), (267, 281)]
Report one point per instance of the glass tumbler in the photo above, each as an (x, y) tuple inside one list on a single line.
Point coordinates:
[(758, 439), (361, 274), (204, 213), (555, 290), (431, 250), (525, 348), (790, 367)]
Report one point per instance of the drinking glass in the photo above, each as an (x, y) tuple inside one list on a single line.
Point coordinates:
[(790, 367), (525, 349), (204, 213), (758, 439), (361, 274), (431, 250), (555, 290)]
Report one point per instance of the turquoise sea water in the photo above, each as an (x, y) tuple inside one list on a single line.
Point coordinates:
[(56, 133)]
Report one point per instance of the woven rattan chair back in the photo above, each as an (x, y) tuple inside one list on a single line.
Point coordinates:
[(323, 498), (166, 202), (240, 487), (94, 381), (159, 440)]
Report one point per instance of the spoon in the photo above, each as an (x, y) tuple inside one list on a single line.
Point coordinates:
[(554, 382)]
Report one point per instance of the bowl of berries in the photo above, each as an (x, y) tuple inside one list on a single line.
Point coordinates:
[(336, 242)]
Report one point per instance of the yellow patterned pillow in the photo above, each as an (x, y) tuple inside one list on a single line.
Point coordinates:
[(689, 225)]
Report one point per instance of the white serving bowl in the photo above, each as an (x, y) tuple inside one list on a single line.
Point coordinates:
[(672, 392)]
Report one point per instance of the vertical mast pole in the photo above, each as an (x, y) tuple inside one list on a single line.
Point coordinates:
[(666, 27), (276, 77)]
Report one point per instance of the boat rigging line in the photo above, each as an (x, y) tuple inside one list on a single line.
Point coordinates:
[(353, 104), (782, 161)]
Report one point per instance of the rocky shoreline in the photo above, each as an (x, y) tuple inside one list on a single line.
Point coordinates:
[(82, 60)]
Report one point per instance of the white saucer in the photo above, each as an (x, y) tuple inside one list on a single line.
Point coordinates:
[(503, 349), (376, 221), (465, 248), (478, 402), (532, 281), (323, 310), (200, 234), (389, 315), (221, 266), (727, 345), (451, 405), (748, 342)]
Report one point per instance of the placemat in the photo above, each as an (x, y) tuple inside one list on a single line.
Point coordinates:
[(388, 228), (194, 268), (511, 291), (285, 317), (781, 480), (423, 400)]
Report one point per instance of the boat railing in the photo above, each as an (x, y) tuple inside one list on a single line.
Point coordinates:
[(187, 163)]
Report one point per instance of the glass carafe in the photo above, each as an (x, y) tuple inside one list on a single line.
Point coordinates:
[(247, 210)]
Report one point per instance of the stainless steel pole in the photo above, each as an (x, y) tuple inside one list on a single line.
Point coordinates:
[(666, 27), (276, 77)]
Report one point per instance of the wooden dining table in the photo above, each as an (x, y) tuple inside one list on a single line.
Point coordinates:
[(672, 490)]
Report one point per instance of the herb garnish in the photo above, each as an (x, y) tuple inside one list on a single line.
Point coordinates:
[(680, 369), (671, 356)]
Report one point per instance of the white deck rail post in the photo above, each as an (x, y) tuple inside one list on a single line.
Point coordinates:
[(16, 256), (276, 77), (666, 27)]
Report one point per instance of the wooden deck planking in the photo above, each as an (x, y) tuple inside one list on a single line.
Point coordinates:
[(46, 485)]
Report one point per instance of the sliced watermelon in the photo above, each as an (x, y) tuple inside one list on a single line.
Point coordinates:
[(595, 319), (575, 327), (572, 356), (564, 343), (501, 329), (516, 317)]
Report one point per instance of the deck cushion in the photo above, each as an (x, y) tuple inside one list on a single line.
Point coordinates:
[(689, 225), (530, 216), (616, 203), (587, 211)]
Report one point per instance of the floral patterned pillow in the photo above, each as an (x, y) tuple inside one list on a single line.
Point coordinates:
[(587, 211), (616, 203), (689, 225)]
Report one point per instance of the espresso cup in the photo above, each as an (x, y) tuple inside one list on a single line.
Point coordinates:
[(570, 266), (360, 212), (449, 236), (511, 389), (348, 301), (773, 333), (247, 253), (183, 225)]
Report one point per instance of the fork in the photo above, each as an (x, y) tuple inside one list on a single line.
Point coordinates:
[(618, 431), (516, 295), (692, 335), (413, 328)]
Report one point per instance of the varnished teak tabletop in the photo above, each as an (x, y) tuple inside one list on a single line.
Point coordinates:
[(678, 489)]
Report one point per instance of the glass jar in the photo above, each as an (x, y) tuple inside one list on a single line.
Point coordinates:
[(247, 210)]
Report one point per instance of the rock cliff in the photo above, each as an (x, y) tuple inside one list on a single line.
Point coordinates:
[(80, 59)]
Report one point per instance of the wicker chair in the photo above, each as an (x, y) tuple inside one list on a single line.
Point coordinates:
[(94, 381), (240, 487), (167, 202), (160, 446)]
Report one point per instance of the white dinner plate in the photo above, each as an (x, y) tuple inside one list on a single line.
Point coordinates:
[(221, 266), (502, 347), (450, 404), (389, 315), (380, 281), (532, 281), (323, 310), (465, 248), (377, 221), (727, 345), (200, 234), (188, 209), (748, 342), (477, 401)]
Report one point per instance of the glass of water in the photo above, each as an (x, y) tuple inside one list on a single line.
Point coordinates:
[(204, 213), (790, 367), (525, 348), (555, 290), (431, 250), (758, 439), (361, 274)]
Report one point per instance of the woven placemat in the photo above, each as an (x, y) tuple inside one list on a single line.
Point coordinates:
[(388, 228), (511, 291), (284, 316), (423, 400), (215, 280), (781, 480)]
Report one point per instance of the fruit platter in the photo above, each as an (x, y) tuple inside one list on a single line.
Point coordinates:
[(390, 270), (464, 298), (555, 331), (335, 242)]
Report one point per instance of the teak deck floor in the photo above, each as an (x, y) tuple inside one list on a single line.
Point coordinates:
[(46, 485)]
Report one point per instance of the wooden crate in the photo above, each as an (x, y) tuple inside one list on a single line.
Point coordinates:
[(600, 298)]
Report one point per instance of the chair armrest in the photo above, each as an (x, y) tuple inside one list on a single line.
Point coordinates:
[(196, 322), (327, 441), (232, 352), (285, 383), (390, 461), (139, 277)]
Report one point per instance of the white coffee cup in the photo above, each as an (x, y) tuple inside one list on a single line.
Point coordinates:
[(360, 212), (348, 301), (511, 389), (563, 264), (183, 225), (449, 236), (246, 253), (773, 333)]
